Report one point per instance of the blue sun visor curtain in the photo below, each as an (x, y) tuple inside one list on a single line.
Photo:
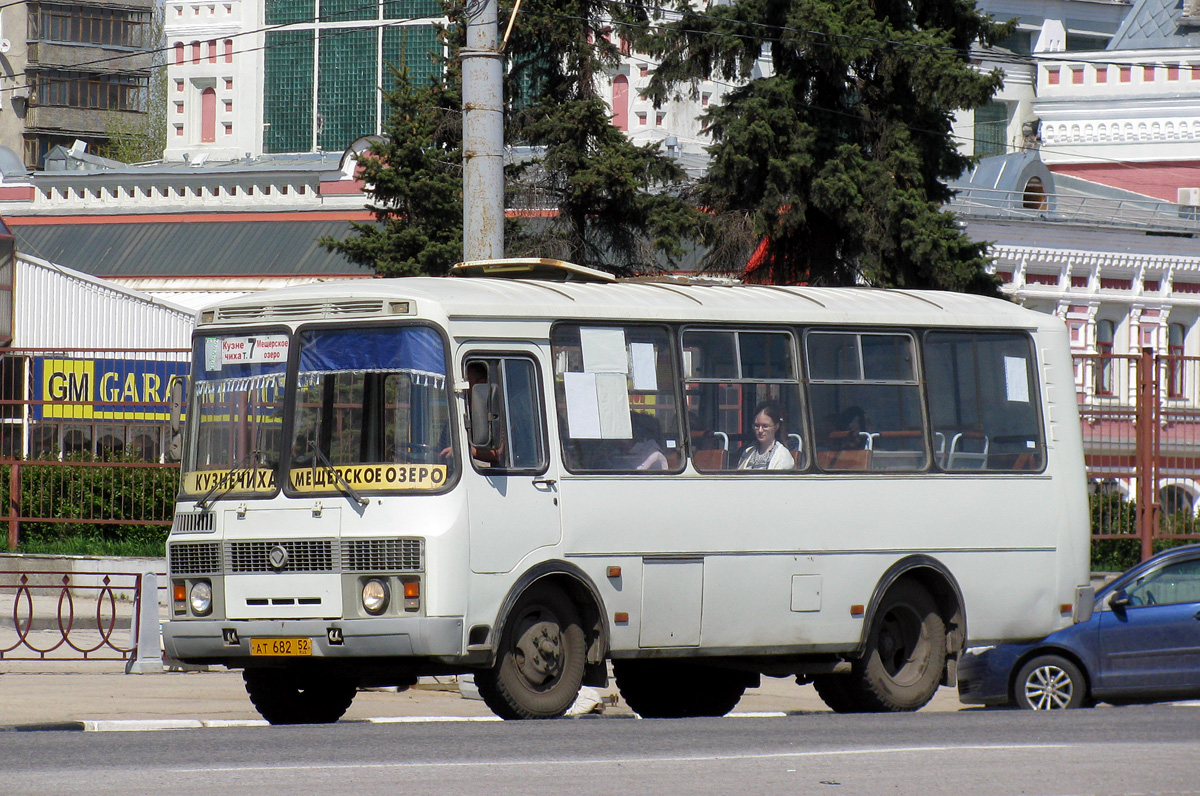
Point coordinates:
[(413, 350)]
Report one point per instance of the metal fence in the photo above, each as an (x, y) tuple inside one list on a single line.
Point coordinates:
[(83, 441), (1140, 415), (54, 616)]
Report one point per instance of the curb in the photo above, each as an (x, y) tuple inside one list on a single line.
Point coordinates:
[(155, 725)]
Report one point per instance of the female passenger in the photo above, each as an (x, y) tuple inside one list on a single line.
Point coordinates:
[(767, 452)]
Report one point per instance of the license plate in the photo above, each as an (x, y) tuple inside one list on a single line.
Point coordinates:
[(281, 647)]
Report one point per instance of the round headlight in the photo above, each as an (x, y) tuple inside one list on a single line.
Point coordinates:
[(375, 596), (201, 597)]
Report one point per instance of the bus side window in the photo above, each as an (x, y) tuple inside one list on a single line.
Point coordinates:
[(615, 388), (983, 401), (729, 376), (866, 401)]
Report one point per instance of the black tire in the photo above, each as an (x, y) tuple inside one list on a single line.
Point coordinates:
[(838, 693), (285, 696), (673, 690), (539, 665), (905, 655), (1049, 682)]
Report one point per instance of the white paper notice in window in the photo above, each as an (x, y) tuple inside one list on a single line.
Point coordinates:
[(583, 413), (612, 398), (1016, 379), (645, 372), (604, 350)]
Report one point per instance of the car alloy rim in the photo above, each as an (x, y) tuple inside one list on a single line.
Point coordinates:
[(1049, 688)]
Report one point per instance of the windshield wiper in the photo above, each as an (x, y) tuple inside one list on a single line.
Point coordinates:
[(226, 484), (319, 455)]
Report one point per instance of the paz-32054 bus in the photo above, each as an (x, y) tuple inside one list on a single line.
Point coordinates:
[(536, 472)]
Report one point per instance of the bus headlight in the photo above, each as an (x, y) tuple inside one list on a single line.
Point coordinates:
[(201, 597), (375, 596)]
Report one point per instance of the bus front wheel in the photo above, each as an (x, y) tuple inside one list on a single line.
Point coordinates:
[(905, 654), (285, 696), (539, 666)]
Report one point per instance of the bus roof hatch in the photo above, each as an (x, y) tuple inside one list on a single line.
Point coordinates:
[(531, 268)]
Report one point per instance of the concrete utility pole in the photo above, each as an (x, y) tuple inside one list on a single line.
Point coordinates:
[(483, 134)]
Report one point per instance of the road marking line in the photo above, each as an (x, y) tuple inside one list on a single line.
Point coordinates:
[(634, 760)]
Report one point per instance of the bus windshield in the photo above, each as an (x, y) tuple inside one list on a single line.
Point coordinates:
[(236, 420), (372, 411)]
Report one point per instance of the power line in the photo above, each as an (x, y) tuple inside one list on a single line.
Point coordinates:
[(325, 33)]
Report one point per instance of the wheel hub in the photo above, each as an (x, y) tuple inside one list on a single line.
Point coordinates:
[(1048, 688), (539, 653)]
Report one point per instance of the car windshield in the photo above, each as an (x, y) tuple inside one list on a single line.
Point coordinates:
[(235, 422)]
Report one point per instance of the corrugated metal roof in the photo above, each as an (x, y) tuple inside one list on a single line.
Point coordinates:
[(216, 248), (468, 298), (57, 307)]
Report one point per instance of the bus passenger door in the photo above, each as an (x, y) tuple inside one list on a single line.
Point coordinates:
[(512, 488)]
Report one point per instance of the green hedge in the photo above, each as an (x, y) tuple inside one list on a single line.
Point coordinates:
[(1113, 515), (92, 493)]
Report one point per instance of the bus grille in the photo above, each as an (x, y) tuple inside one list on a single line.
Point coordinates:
[(193, 522), (383, 555), (303, 555), (199, 558)]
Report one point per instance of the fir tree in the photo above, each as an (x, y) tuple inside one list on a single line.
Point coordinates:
[(837, 158), (619, 205), (413, 174)]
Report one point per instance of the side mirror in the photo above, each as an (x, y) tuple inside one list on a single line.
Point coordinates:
[(1119, 600), (483, 417), (175, 446)]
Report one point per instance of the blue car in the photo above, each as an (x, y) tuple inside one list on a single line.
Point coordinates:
[(1141, 644)]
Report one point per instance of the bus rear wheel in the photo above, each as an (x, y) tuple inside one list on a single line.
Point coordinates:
[(285, 696), (838, 693), (669, 690), (539, 666), (905, 654)]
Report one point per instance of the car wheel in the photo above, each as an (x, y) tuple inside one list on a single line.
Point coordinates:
[(838, 693), (674, 690), (904, 658), (284, 696), (1050, 682), (539, 666)]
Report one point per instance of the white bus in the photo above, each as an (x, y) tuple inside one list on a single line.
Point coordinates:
[(536, 472)]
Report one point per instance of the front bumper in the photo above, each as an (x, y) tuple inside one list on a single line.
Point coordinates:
[(984, 674), (208, 641)]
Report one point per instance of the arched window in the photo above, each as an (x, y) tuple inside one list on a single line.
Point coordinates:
[(208, 115), (229, 51), (1035, 195), (620, 102), (179, 53), (195, 52), (1175, 498)]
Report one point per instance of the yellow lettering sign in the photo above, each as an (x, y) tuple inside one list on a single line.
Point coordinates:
[(369, 476), (67, 385), (257, 481)]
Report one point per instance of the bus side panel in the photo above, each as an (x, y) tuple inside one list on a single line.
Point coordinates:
[(785, 557)]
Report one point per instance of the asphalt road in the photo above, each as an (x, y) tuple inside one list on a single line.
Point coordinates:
[(1144, 750)]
